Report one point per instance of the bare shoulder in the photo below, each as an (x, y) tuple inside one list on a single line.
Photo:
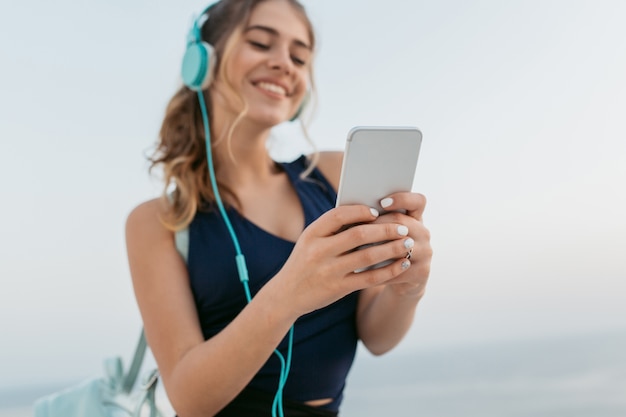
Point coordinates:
[(330, 165), (145, 213), (144, 223)]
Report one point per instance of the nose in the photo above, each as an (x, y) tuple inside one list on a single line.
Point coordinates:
[(280, 59)]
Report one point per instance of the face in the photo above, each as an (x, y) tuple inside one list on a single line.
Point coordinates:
[(269, 65)]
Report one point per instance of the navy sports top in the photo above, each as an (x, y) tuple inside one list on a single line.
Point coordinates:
[(324, 340)]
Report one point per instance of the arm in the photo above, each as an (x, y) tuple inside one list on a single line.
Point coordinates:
[(385, 313), (318, 272), (189, 366)]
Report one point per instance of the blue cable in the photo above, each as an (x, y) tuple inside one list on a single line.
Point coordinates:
[(242, 269)]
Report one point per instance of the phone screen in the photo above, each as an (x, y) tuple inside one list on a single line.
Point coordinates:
[(378, 161)]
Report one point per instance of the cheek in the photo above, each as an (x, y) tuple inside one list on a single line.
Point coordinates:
[(236, 65), (232, 73), (304, 84)]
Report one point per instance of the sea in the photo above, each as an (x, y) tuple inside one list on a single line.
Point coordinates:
[(574, 376)]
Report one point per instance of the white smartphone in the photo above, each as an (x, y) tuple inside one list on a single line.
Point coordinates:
[(378, 161)]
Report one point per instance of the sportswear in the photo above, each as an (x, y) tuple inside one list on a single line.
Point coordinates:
[(324, 341)]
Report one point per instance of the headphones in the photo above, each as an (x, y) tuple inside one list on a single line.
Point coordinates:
[(199, 61)]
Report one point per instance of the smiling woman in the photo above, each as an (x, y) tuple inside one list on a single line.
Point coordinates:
[(286, 48), (284, 341), (522, 107)]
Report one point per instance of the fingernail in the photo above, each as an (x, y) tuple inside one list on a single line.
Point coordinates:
[(409, 243), (406, 264), (374, 212), (386, 202), (403, 230)]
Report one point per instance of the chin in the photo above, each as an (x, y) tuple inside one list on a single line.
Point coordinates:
[(267, 119)]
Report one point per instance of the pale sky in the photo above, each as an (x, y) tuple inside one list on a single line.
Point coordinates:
[(522, 105)]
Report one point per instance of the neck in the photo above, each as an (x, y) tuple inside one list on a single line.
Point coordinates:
[(242, 157)]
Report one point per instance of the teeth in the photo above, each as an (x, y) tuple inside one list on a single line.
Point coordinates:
[(273, 88)]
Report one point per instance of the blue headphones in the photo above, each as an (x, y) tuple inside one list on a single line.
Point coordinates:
[(199, 59)]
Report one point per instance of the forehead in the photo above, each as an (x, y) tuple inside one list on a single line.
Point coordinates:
[(282, 17)]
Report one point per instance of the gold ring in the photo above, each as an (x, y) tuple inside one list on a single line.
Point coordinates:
[(409, 253)]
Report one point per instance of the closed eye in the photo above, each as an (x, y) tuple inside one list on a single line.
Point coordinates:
[(259, 45), (298, 61)]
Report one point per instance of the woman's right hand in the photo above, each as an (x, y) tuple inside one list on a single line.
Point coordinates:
[(322, 265)]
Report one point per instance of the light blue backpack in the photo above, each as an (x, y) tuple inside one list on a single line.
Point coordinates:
[(112, 395)]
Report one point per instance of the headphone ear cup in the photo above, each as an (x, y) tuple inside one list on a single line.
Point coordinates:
[(197, 68), (305, 100)]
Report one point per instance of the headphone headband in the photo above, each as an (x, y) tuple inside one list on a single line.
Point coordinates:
[(195, 32)]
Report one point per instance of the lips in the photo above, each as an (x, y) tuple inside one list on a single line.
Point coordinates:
[(273, 86)]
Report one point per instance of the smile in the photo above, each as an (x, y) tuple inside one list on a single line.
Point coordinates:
[(272, 88)]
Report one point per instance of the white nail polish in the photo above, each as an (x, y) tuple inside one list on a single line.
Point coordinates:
[(386, 202), (406, 264), (409, 243), (403, 230), (374, 212)]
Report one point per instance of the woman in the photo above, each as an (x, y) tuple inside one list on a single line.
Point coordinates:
[(215, 350)]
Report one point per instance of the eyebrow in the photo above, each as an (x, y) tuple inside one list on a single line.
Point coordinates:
[(274, 32)]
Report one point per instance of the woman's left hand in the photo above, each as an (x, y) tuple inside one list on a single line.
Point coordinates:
[(407, 208)]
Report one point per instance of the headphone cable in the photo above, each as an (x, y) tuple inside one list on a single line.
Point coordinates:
[(242, 269)]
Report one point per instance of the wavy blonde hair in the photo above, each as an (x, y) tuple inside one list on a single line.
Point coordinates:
[(181, 149)]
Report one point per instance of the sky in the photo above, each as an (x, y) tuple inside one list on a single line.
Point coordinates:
[(521, 104)]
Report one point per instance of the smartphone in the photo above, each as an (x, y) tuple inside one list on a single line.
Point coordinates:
[(378, 161)]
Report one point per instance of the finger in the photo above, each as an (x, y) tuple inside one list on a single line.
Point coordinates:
[(413, 203), (369, 233), (340, 217), (417, 230), (377, 253), (422, 251), (379, 276), (398, 218)]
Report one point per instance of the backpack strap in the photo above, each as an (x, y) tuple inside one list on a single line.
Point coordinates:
[(181, 238), (135, 366)]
